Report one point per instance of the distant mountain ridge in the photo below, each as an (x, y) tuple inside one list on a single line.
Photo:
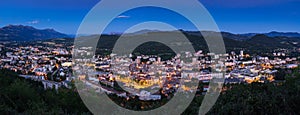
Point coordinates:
[(233, 36), (28, 33), (257, 44), (274, 34), (248, 36)]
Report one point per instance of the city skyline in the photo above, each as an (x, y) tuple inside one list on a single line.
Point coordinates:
[(149, 57), (231, 16)]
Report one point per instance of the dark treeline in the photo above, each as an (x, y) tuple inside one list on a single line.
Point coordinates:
[(257, 98), (18, 95)]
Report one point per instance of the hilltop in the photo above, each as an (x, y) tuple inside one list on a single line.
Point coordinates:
[(27, 33)]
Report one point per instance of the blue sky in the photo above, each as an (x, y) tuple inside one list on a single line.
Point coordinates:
[(237, 16)]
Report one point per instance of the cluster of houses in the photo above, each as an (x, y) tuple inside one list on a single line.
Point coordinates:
[(245, 69), (152, 72), (45, 61)]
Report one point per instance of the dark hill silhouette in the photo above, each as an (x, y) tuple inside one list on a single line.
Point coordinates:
[(27, 33)]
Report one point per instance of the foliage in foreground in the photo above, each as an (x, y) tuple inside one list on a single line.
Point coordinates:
[(18, 95), (23, 96), (258, 98)]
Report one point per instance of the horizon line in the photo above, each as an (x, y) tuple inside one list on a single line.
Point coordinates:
[(116, 32)]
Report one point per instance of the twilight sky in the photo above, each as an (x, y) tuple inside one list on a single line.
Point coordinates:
[(237, 16)]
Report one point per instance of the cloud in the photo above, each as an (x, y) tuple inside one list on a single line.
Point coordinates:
[(123, 16), (33, 22)]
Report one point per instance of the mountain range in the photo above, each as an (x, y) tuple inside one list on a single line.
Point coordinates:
[(28, 33), (245, 36), (275, 34), (248, 36), (251, 41), (259, 44)]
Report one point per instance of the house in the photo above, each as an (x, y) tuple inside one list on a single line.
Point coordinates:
[(291, 66), (145, 95)]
